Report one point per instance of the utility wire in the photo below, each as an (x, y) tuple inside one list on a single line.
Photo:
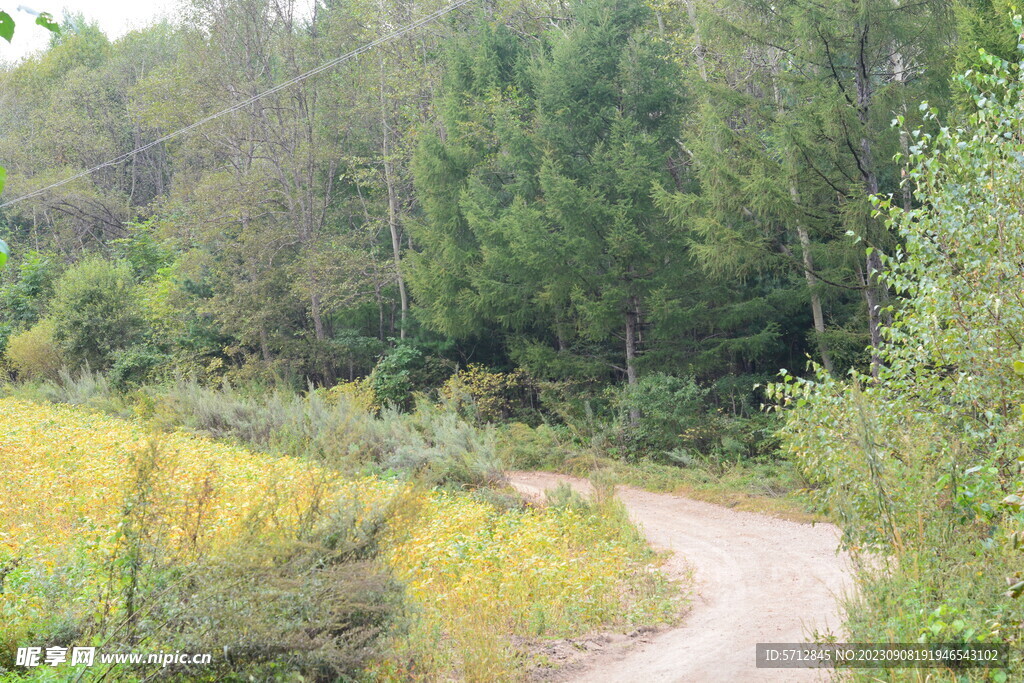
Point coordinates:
[(244, 103)]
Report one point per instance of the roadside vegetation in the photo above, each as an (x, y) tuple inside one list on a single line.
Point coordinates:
[(921, 466), (130, 539)]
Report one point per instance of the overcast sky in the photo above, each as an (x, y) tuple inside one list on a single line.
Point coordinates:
[(115, 17)]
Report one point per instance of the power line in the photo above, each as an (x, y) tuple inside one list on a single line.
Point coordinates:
[(244, 103)]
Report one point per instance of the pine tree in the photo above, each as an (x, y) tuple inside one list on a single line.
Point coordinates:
[(539, 214)]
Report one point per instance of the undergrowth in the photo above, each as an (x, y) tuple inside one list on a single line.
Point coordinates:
[(129, 539)]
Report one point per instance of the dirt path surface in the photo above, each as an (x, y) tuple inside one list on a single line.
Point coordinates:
[(756, 579)]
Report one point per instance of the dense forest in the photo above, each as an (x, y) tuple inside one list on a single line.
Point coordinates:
[(772, 246), (621, 201)]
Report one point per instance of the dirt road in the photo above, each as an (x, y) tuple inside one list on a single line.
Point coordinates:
[(757, 579)]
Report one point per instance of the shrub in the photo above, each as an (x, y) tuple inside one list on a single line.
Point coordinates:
[(358, 393), (490, 396), (330, 427), (672, 412), (922, 463), (523, 447), (438, 445), (34, 353), (319, 603), (136, 365), (24, 300), (96, 312), (392, 380)]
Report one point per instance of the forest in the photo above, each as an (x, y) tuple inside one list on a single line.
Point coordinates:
[(619, 200), (768, 254)]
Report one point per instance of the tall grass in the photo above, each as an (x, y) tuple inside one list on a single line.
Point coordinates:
[(116, 539), (427, 585), (432, 442)]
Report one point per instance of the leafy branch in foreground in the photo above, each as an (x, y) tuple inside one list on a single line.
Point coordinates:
[(923, 463)]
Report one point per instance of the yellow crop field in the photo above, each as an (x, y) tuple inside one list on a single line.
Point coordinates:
[(66, 474), (67, 484), (479, 574), (474, 574)]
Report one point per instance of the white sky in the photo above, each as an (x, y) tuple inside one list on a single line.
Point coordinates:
[(115, 17)]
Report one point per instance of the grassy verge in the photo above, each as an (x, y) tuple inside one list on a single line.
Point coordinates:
[(767, 486), (483, 579)]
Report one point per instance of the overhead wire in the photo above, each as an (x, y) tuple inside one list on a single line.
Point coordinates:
[(433, 16)]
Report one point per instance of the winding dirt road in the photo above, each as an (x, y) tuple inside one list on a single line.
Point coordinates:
[(756, 579)]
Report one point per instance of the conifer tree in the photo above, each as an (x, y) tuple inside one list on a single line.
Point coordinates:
[(539, 214)]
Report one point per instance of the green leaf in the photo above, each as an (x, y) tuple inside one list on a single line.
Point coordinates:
[(3, 178), (4, 253), (1018, 367), (46, 20), (1014, 500), (6, 26)]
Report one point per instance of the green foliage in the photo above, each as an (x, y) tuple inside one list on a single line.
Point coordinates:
[(334, 428), (44, 19), (6, 26), (24, 300), (538, 216), (671, 409), (523, 447), (142, 250), (34, 353), (96, 312), (392, 378), (513, 189), (136, 365), (924, 464), (318, 603)]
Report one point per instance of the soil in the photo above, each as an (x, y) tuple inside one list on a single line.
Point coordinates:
[(755, 579)]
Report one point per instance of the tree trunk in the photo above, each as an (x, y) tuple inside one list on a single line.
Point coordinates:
[(873, 299), (873, 292), (812, 287), (389, 181), (632, 320), (318, 320), (901, 73), (264, 346), (691, 14)]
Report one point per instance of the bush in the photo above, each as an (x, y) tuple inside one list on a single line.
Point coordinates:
[(523, 447), (24, 300), (34, 353), (331, 427), (921, 465), (96, 312), (319, 604), (490, 396), (392, 378), (136, 365), (672, 411)]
